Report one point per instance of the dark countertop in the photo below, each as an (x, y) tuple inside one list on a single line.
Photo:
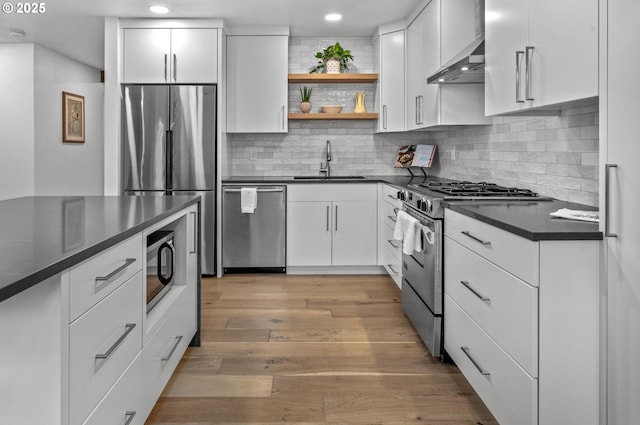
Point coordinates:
[(401, 181), (531, 220), (42, 236)]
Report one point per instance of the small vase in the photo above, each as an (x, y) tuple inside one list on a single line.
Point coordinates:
[(305, 107), (359, 109), (333, 66)]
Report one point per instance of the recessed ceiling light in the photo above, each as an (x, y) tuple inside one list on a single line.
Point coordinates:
[(159, 9), (333, 17), (441, 80), (464, 68)]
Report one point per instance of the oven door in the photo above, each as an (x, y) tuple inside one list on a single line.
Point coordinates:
[(423, 270)]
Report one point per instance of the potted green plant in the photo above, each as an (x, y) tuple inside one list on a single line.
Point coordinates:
[(332, 59), (305, 99)]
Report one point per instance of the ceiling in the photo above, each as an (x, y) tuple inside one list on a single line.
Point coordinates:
[(75, 28)]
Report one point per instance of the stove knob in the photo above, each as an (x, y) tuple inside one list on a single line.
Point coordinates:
[(410, 195), (422, 204), (428, 205), (399, 194), (419, 204)]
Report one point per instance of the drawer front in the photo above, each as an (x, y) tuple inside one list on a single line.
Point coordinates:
[(390, 194), (101, 346), (123, 401), (393, 266), (502, 305), (510, 394), (97, 277), (392, 245), (390, 210), (165, 349), (513, 253)]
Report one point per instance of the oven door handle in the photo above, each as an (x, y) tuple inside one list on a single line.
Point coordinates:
[(429, 235)]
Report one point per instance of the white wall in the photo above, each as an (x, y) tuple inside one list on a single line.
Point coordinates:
[(16, 120), (67, 168)]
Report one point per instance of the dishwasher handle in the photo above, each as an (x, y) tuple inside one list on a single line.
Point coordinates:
[(259, 190)]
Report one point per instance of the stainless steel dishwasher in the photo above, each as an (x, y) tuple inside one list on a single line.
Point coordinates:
[(254, 242)]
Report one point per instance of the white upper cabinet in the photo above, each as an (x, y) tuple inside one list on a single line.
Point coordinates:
[(423, 58), (257, 83), (170, 55), (540, 54), (431, 41), (389, 64)]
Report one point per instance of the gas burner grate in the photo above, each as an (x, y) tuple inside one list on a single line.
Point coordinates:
[(481, 189)]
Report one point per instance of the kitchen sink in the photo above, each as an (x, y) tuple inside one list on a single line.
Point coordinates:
[(328, 178)]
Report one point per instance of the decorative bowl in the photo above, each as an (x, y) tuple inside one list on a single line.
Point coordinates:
[(331, 109)]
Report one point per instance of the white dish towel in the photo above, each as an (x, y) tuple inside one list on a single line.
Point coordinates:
[(248, 199), (407, 230)]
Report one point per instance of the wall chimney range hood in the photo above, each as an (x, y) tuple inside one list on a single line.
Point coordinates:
[(467, 67)]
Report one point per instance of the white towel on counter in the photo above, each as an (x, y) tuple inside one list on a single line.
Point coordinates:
[(248, 199), (408, 231)]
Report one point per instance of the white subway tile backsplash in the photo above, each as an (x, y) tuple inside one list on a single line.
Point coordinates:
[(554, 155)]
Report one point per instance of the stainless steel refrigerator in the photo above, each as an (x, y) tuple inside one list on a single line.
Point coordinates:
[(169, 139)]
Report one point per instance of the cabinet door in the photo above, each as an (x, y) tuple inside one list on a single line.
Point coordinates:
[(147, 55), (355, 233), (257, 84), (194, 55), (429, 104), (506, 33), (619, 113), (391, 82), (414, 73), (309, 228), (564, 59)]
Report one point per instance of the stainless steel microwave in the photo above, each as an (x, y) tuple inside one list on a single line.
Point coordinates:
[(160, 266)]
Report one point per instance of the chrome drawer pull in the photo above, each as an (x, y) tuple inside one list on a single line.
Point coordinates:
[(474, 292), (393, 197), (195, 233), (130, 416), (126, 264), (166, 358), (465, 350), (130, 327), (467, 233), (392, 244), (392, 218), (392, 268)]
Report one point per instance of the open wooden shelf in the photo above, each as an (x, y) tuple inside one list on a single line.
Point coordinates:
[(340, 116), (332, 78)]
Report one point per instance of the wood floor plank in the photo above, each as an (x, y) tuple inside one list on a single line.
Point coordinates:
[(409, 409), (190, 385), (389, 334), (451, 384), (312, 350)]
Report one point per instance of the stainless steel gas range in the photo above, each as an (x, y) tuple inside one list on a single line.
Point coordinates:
[(422, 272)]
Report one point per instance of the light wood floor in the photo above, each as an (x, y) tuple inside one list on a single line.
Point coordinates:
[(312, 350)]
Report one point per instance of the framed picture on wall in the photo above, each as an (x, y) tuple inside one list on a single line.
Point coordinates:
[(72, 118)]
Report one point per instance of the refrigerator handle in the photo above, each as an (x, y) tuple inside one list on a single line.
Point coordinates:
[(168, 162)]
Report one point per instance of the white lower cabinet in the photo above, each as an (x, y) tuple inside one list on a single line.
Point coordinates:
[(80, 346), (390, 250), (521, 321), (164, 350), (101, 346), (508, 391), (332, 225), (124, 401)]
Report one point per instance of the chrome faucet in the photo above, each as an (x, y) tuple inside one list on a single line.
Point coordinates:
[(326, 168)]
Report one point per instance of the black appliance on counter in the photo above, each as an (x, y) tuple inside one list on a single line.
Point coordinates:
[(422, 272)]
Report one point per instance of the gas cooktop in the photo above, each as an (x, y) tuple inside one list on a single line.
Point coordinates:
[(476, 190)]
